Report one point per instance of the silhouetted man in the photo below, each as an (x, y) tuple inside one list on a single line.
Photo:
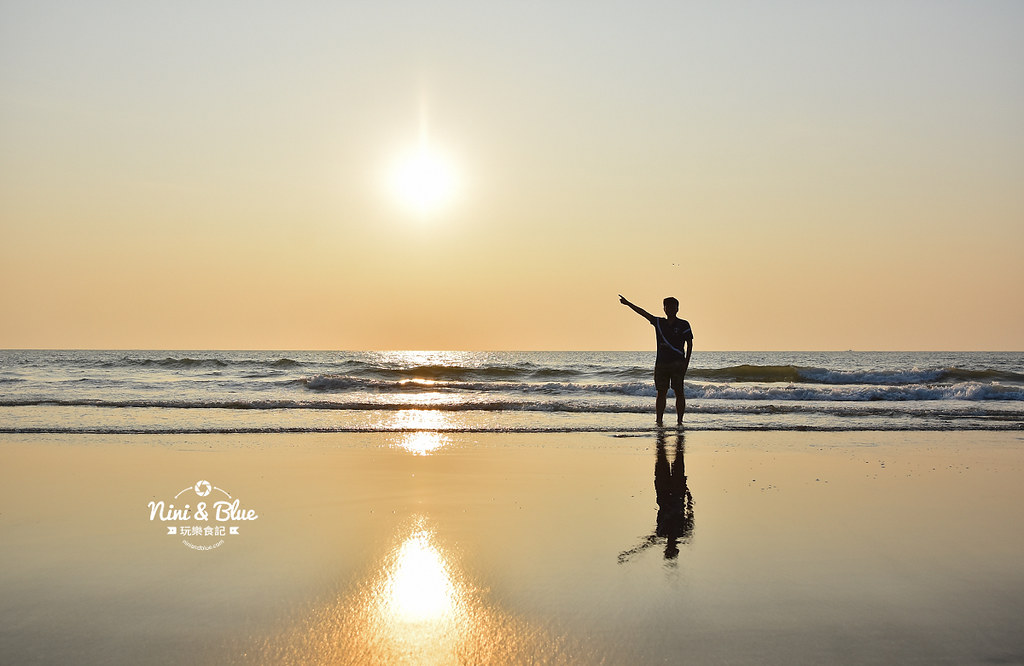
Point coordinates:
[(675, 344)]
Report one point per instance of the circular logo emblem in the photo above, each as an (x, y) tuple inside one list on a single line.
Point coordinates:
[(203, 488)]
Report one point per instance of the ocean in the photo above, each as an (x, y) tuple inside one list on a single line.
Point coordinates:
[(166, 392)]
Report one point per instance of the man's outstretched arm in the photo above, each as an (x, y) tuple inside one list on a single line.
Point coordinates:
[(640, 311)]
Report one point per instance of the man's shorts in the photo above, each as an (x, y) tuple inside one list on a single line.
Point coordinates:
[(669, 374)]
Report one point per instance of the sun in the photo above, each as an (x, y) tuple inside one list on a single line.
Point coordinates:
[(423, 180)]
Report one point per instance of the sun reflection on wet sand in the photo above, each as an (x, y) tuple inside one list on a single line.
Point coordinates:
[(425, 430), (418, 608), (423, 443), (419, 589)]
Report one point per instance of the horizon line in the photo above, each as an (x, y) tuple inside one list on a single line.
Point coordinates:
[(507, 351)]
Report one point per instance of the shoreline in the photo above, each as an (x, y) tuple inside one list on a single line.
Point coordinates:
[(803, 547), (610, 430)]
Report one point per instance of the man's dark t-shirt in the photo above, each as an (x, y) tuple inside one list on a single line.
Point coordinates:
[(672, 335)]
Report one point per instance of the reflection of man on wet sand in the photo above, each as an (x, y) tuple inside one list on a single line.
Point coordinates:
[(675, 504)]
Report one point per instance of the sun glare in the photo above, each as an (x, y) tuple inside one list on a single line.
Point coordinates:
[(424, 180), (420, 589)]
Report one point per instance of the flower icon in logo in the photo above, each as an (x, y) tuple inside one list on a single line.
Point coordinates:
[(203, 488)]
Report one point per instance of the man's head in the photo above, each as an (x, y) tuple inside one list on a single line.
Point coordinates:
[(671, 306)]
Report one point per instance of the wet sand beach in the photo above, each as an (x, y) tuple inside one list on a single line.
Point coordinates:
[(708, 547)]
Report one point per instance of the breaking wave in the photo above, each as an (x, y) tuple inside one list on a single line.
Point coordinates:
[(811, 375)]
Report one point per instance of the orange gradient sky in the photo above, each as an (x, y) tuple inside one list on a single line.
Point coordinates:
[(801, 175)]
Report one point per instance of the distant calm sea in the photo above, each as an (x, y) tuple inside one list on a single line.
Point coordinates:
[(119, 392)]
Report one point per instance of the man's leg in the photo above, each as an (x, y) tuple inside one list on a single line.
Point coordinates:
[(659, 404), (677, 388)]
